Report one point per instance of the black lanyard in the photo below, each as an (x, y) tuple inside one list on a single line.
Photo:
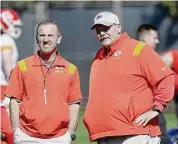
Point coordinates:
[(44, 79)]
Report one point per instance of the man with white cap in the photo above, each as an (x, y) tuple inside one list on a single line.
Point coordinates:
[(128, 89)]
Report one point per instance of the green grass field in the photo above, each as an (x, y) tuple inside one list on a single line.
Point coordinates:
[(82, 135)]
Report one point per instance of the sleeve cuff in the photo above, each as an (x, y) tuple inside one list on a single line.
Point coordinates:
[(159, 106), (9, 96), (75, 102)]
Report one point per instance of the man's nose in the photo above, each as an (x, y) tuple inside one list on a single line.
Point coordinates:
[(46, 38), (45, 42), (102, 33)]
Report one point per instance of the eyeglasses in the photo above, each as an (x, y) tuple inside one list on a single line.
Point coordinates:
[(103, 28)]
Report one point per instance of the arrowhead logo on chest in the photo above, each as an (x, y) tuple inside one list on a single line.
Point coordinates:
[(117, 54), (60, 69)]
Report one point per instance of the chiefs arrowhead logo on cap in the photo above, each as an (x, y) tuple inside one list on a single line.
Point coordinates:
[(99, 16)]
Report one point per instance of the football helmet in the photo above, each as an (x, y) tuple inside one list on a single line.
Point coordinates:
[(10, 22)]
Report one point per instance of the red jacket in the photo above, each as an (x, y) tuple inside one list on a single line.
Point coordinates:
[(175, 66)]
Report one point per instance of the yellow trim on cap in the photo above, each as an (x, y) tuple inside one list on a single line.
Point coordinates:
[(138, 48), (5, 47), (71, 68), (22, 65)]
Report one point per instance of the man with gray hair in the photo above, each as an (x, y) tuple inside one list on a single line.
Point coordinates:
[(45, 93), (129, 86)]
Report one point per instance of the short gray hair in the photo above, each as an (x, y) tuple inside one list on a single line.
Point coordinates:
[(45, 22)]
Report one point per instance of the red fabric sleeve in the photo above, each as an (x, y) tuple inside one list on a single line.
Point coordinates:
[(176, 83), (158, 75), (175, 61), (164, 92), (152, 66), (15, 86), (75, 91)]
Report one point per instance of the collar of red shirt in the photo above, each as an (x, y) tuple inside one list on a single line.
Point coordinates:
[(116, 46), (59, 60)]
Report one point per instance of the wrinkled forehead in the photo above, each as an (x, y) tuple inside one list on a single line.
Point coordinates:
[(154, 33), (150, 33), (48, 29)]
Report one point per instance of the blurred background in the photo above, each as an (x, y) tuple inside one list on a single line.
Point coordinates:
[(79, 43)]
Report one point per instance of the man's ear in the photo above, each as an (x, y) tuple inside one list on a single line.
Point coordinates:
[(119, 29), (37, 39), (59, 39)]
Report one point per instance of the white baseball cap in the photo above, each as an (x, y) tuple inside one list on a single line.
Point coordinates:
[(105, 18)]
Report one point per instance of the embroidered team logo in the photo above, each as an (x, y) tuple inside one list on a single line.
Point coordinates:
[(60, 69), (117, 54), (99, 17)]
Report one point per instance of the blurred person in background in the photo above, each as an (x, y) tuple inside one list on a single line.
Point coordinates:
[(171, 59), (129, 87), (45, 93), (148, 34), (10, 25)]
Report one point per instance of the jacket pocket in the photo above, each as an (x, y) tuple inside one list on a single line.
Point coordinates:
[(123, 108)]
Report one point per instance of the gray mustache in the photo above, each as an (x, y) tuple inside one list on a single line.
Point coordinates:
[(44, 43)]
